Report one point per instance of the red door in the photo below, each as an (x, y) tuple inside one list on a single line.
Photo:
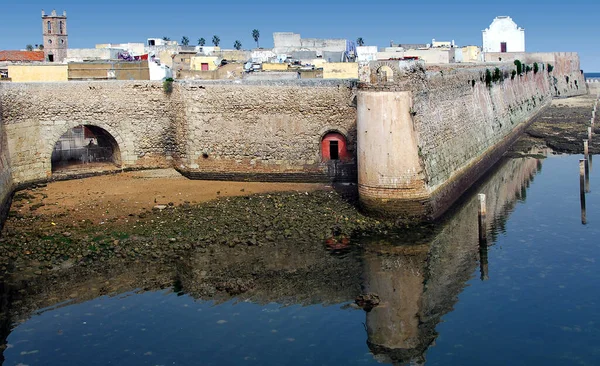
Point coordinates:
[(204, 66), (502, 46), (333, 147)]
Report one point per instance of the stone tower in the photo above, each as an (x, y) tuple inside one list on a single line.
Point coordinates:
[(54, 29)]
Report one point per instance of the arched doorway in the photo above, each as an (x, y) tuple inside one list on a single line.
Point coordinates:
[(334, 147), (86, 146), (385, 74)]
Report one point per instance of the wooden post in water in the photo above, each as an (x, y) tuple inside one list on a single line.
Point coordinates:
[(481, 217), (589, 134), (582, 189), (483, 248), (586, 150)]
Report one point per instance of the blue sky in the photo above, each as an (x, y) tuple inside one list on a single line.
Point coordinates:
[(549, 25)]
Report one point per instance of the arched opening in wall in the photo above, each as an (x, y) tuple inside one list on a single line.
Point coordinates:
[(86, 147), (334, 147), (385, 74)]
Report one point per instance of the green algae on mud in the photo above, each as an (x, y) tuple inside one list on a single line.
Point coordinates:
[(563, 127), (35, 242)]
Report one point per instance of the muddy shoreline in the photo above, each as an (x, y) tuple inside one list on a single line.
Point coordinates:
[(563, 127)]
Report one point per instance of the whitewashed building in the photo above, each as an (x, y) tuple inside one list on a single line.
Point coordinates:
[(503, 35)]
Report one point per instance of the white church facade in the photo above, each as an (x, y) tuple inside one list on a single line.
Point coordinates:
[(503, 35)]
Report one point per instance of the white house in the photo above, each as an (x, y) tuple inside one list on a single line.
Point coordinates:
[(503, 35)]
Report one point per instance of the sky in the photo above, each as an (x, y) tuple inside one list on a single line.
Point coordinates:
[(550, 25)]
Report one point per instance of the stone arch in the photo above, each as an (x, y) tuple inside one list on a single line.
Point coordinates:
[(109, 137), (385, 72)]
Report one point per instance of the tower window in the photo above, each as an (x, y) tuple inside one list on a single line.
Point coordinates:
[(61, 27), (49, 41), (49, 26)]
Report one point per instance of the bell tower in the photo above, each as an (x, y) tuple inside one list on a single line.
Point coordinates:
[(54, 30)]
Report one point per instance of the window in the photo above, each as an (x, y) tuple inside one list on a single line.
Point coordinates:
[(49, 25), (61, 27), (502, 46), (50, 58), (50, 41)]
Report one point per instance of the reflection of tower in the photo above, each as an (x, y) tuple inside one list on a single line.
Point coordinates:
[(418, 276), (54, 30), (396, 275)]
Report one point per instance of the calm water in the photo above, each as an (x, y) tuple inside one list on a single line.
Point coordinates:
[(538, 302)]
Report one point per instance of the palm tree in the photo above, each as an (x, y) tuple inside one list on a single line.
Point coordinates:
[(216, 40), (237, 45), (29, 47), (201, 42), (256, 36), (360, 41), (165, 38), (185, 40)]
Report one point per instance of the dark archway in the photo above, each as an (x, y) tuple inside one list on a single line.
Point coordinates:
[(85, 146)]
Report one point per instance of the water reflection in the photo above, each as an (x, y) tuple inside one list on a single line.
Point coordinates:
[(416, 275), (418, 281)]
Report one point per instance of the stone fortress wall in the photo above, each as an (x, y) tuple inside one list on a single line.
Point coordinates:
[(445, 130), (5, 173), (449, 125)]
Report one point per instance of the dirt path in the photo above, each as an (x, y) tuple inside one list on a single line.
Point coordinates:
[(119, 195)]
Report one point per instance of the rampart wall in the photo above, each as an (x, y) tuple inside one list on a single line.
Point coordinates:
[(428, 136), (448, 128), (263, 130), (5, 173)]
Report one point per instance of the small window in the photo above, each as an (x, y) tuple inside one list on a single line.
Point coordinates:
[(60, 27), (334, 153), (62, 41), (49, 25), (50, 41)]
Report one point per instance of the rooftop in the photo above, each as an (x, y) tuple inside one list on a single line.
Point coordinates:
[(17, 56)]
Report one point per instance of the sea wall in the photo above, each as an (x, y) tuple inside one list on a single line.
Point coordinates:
[(217, 130), (566, 77), (263, 130), (441, 132), (5, 173)]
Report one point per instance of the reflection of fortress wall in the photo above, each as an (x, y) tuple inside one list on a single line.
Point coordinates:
[(417, 285), (285, 273)]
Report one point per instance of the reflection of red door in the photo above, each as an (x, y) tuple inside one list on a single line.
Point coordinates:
[(204, 66), (502, 46), (333, 147)]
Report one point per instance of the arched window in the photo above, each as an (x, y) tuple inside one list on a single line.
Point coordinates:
[(49, 26), (334, 147), (61, 27)]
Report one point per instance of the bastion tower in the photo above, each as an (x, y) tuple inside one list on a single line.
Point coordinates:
[(54, 29)]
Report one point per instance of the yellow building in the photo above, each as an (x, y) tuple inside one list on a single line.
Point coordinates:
[(471, 54), (204, 63), (38, 73), (274, 67), (340, 70)]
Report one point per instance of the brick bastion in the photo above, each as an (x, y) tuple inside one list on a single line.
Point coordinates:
[(417, 144)]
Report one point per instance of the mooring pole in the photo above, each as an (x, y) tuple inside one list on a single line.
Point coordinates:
[(483, 248), (481, 216), (586, 150), (589, 134), (582, 189)]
